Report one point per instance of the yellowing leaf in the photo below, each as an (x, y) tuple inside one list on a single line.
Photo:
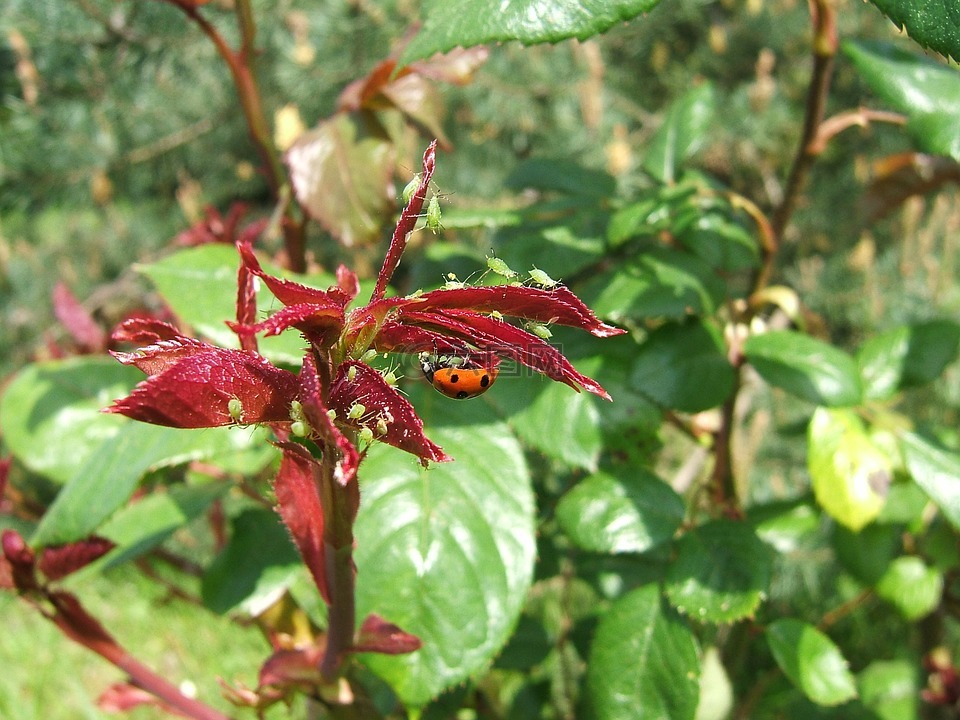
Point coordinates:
[(850, 473)]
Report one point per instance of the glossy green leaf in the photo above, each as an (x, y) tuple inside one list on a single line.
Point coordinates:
[(684, 367), (937, 471), (881, 360), (806, 367), (850, 474), (912, 587), (200, 286), (145, 524), (643, 662), (550, 417), (906, 356), (659, 283), (928, 92), (933, 24), (446, 553), (811, 661), (50, 412), (721, 572), (107, 479), (451, 23), (257, 565), (890, 689), (683, 132), (627, 514)]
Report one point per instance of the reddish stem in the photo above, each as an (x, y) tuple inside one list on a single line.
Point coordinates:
[(824, 50), (241, 68)]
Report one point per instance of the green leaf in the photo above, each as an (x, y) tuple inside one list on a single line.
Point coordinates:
[(932, 346), (889, 688), (51, 412), (643, 662), (258, 563), (628, 514), (200, 286), (142, 526), (683, 132), (550, 417), (107, 479), (659, 283), (721, 241), (451, 23), (850, 474), (906, 356), (811, 661), (721, 572), (912, 587), (567, 249), (868, 553), (928, 92), (881, 361), (446, 553), (563, 176), (716, 691), (785, 525), (806, 367), (933, 24), (684, 367), (936, 471)]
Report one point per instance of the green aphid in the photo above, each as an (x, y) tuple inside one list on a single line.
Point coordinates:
[(539, 277), (433, 215), (235, 408), (498, 266), (410, 188)]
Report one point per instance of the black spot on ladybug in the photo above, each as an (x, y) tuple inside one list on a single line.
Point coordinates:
[(485, 381), (463, 395), (454, 379)]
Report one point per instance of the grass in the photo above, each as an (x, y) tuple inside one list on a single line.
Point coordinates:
[(47, 677)]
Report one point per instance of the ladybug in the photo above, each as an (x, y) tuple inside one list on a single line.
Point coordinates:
[(458, 377)]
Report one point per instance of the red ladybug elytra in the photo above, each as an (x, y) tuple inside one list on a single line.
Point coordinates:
[(457, 377)]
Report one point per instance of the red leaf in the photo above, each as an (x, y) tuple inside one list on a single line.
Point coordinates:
[(121, 697), (80, 626), (378, 635), (164, 354), (77, 321), (293, 293), (404, 428), (394, 337), (20, 561), (144, 331), (292, 667), (557, 305), (298, 503), (345, 470), (197, 391), (58, 562), (510, 341), (408, 220), (246, 306)]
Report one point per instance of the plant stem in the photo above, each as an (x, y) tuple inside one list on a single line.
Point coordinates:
[(824, 51), (241, 68), (339, 508)]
